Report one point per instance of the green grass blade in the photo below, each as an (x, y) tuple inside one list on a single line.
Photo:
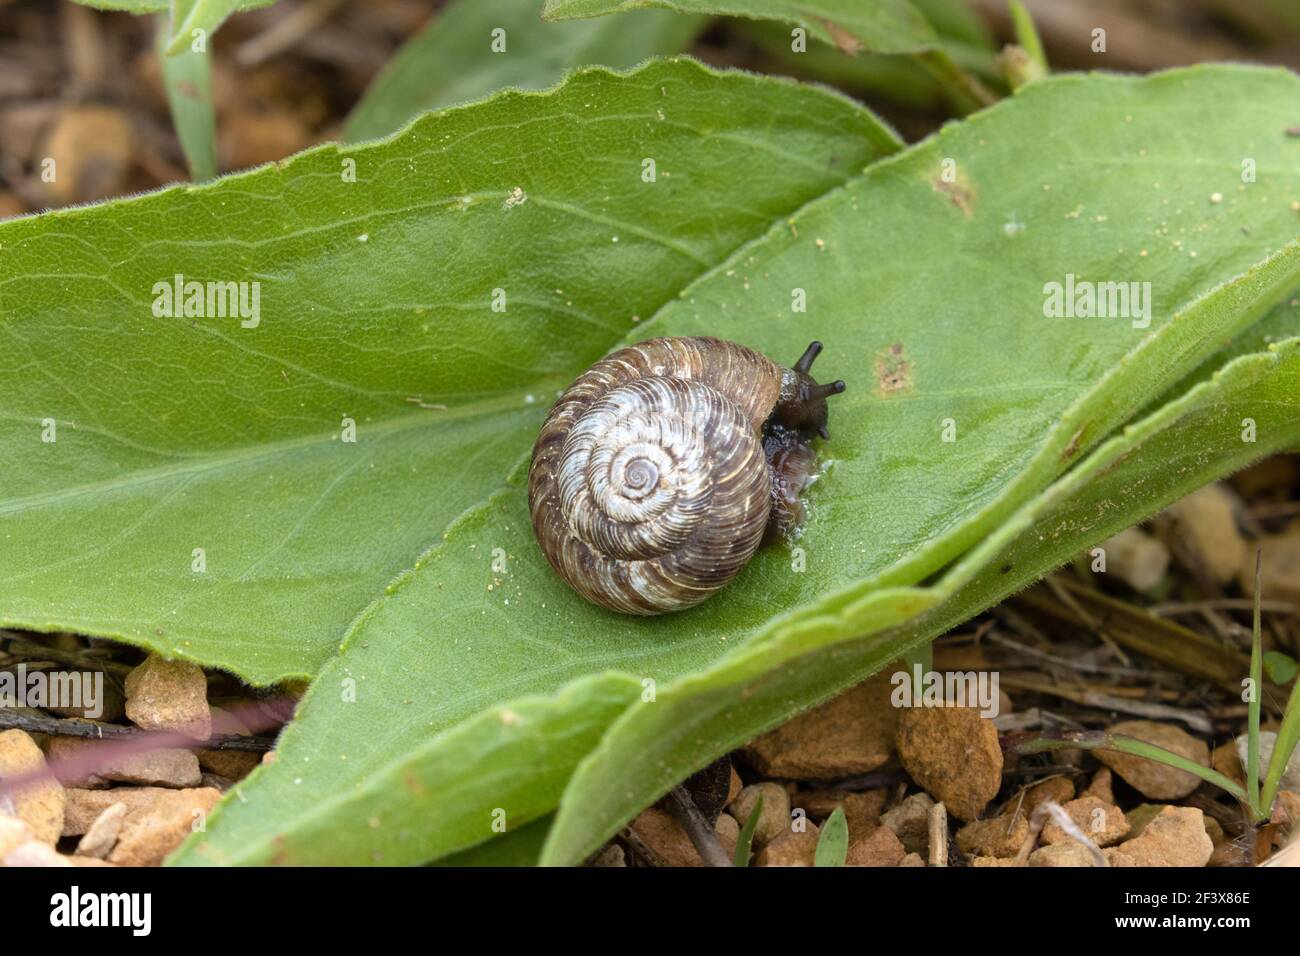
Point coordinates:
[(745, 843), (1102, 740), (1288, 734), (833, 844)]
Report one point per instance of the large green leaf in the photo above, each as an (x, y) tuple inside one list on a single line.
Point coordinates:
[(491, 774), (375, 305), (930, 295), (452, 60), (808, 658), (880, 26)]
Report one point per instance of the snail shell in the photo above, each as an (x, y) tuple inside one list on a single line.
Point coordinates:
[(659, 471)]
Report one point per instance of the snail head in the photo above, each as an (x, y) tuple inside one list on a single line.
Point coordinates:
[(802, 405)]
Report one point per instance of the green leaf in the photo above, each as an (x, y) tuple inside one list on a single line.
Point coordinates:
[(745, 841), (1281, 668), (189, 15), (833, 841), (503, 768), (176, 435), (187, 77), (451, 60), (809, 658), (881, 26), (521, 847), (1031, 395)]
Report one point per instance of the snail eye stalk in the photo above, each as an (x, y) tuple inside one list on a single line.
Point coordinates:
[(816, 392), (810, 354)]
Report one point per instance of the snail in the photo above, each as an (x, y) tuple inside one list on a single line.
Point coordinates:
[(660, 471)]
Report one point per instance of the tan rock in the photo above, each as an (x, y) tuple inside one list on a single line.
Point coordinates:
[(1140, 816), (1280, 574), (85, 806), (87, 861), (850, 734), (168, 767), (1103, 823), (34, 853), (661, 832), (996, 836), (1285, 816), (40, 804), (1056, 789), (791, 848), (103, 833), (773, 820), (986, 861), (13, 833), (611, 855), (1174, 837), (1224, 759), (238, 764), (881, 847), (1136, 558), (1062, 854), (147, 837), (162, 768), (1229, 853), (1267, 740), (107, 708), (1153, 779), (1206, 524), (913, 859), (953, 753), (734, 787), (910, 822), (861, 808), (256, 136), (727, 830), (1214, 830), (1272, 476), (91, 150), (1101, 787), (66, 757), (169, 695)]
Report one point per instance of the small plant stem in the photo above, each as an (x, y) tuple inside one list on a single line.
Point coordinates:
[(966, 92), (187, 76), (1252, 718), (697, 827), (36, 724), (1027, 35), (937, 822)]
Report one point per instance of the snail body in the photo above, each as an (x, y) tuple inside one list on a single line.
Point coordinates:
[(660, 471)]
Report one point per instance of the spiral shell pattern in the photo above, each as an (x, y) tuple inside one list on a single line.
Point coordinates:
[(649, 487)]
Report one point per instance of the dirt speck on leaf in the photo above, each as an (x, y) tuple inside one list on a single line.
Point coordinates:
[(893, 370), (959, 192), (845, 40)]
